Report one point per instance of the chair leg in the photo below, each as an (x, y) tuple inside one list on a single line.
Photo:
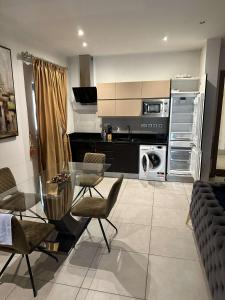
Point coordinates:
[(85, 190), (37, 215), (90, 191), (112, 225), (7, 263), (47, 253), (79, 193), (103, 232), (188, 218), (98, 192), (31, 276)]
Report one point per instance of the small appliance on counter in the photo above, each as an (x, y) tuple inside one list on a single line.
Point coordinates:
[(109, 133), (156, 108), (152, 162)]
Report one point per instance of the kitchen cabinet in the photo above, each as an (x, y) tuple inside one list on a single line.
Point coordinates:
[(128, 107), (128, 90), (107, 149), (156, 89), (122, 156), (106, 90), (79, 148), (106, 108), (126, 158)]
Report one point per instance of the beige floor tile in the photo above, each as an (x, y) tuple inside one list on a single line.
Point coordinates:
[(82, 256), (133, 214), (95, 295), (68, 275), (6, 288), (173, 242), (140, 185), (188, 188), (136, 197), (93, 235), (170, 218), (170, 200), (122, 273), (48, 291), (175, 187), (175, 279), (130, 237), (72, 271)]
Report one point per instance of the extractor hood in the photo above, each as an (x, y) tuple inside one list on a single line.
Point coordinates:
[(86, 94)]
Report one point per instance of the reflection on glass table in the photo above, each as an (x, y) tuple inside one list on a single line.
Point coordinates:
[(50, 199)]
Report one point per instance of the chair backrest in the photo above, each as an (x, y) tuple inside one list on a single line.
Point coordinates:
[(94, 158), (7, 180), (19, 242), (113, 194)]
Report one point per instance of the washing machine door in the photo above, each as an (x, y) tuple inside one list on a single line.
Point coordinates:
[(154, 160), (145, 162)]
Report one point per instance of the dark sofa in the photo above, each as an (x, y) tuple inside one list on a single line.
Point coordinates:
[(208, 219)]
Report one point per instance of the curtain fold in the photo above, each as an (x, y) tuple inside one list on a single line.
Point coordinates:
[(51, 102)]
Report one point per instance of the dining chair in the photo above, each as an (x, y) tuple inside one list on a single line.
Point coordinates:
[(17, 200), (27, 237), (99, 208), (90, 181)]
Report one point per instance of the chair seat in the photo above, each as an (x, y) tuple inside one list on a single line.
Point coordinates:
[(91, 207), (35, 233), (90, 180)]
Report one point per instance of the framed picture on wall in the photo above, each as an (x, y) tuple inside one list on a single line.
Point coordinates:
[(8, 117)]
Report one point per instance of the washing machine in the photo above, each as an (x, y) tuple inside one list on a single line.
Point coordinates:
[(152, 162)]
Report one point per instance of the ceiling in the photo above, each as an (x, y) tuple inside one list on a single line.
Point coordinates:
[(112, 26)]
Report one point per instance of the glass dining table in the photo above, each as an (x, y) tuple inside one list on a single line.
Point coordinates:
[(45, 198)]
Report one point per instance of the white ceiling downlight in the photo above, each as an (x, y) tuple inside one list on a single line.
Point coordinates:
[(80, 32)]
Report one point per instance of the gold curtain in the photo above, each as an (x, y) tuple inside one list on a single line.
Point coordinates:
[(51, 101)]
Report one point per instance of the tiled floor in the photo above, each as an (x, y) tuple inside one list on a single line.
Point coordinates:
[(153, 256)]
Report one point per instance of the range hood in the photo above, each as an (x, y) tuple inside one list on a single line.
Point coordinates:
[(85, 94)]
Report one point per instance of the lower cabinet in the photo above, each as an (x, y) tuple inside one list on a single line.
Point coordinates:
[(108, 150), (126, 158), (123, 157), (79, 149)]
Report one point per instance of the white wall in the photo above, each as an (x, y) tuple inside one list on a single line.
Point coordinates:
[(14, 152), (137, 67), (222, 122), (222, 126), (131, 67)]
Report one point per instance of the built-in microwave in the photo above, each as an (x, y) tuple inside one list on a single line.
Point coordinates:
[(155, 107)]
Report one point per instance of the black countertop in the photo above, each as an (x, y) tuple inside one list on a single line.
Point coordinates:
[(118, 138)]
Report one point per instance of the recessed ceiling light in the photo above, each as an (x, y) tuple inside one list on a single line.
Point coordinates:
[(80, 32), (165, 39), (84, 44)]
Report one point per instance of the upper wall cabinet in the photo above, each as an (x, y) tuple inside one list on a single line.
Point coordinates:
[(106, 90), (156, 89), (128, 107), (106, 108), (128, 90)]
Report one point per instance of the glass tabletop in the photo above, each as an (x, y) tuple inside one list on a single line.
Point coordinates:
[(49, 197)]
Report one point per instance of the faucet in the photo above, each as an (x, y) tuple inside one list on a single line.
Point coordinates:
[(129, 132)]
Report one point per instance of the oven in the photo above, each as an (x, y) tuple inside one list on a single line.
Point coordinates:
[(155, 107)]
